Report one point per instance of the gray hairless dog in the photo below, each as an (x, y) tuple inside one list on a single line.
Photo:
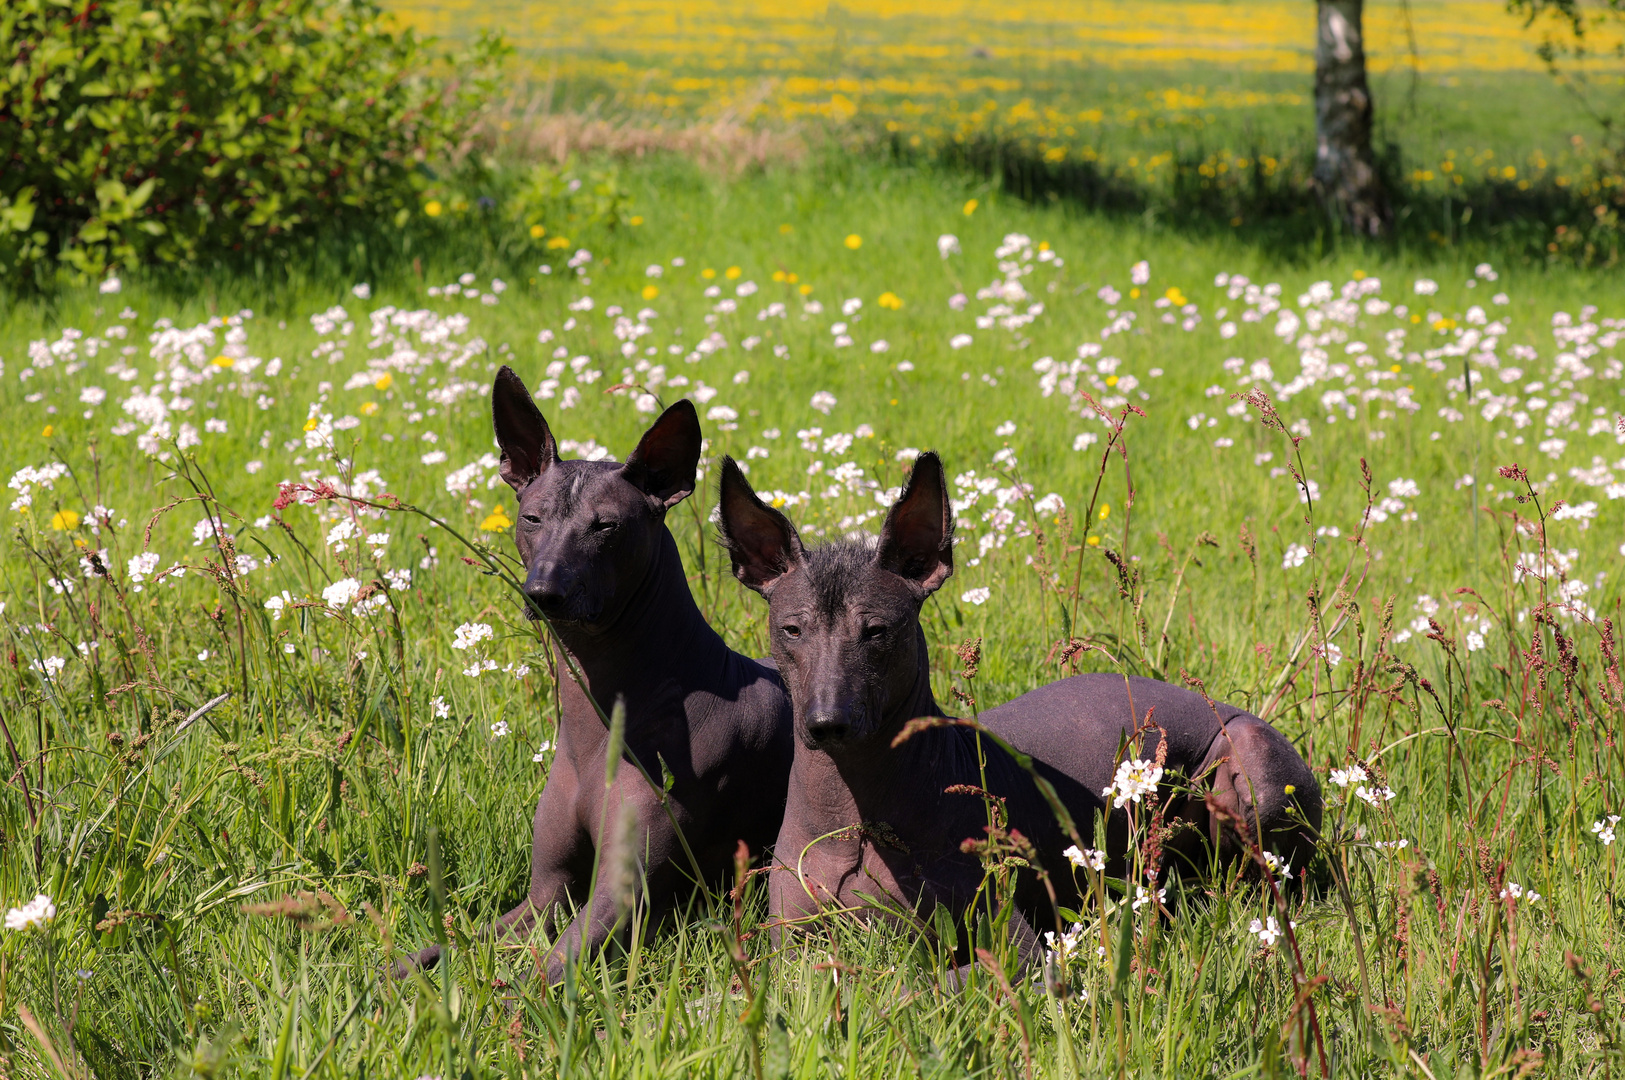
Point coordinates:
[(603, 569), (868, 824)]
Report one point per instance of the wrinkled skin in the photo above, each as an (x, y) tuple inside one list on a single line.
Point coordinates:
[(845, 631), (603, 569)]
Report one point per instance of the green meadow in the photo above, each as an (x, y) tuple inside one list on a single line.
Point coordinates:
[(228, 890)]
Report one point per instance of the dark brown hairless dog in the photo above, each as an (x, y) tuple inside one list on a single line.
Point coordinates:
[(603, 569), (868, 824)]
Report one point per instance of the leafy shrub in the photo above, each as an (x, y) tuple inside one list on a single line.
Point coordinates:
[(141, 131), (552, 202)]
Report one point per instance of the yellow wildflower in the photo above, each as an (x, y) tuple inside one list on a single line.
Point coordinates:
[(970, 207), (433, 208), (50, 429), (221, 361), (369, 408), (384, 382), (854, 241), (537, 232), (733, 273), (496, 521), (558, 242), (635, 219), (708, 273), (651, 291), (63, 520)]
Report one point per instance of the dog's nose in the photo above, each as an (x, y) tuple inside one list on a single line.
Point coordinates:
[(829, 726), (548, 587)]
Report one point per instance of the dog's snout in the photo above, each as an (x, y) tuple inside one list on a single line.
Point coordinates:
[(549, 586), (829, 726)]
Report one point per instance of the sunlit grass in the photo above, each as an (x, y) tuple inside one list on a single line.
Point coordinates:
[(353, 735)]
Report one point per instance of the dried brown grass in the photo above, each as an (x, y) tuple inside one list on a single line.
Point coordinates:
[(527, 127)]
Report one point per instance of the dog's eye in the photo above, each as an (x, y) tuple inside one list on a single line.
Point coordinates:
[(873, 631), (792, 632)]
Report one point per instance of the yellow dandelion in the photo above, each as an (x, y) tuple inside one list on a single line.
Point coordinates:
[(537, 232), (970, 207), (733, 273), (496, 521), (806, 290), (793, 278), (786, 229), (310, 425), (63, 520), (1105, 511), (708, 273), (1111, 380), (779, 275), (1094, 541), (433, 208), (890, 300), (1394, 368), (558, 242), (221, 361), (369, 408), (384, 382), (50, 429), (1359, 275), (635, 219), (651, 291), (1134, 294), (854, 241)]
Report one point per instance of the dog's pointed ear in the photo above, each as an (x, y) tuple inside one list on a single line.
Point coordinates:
[(666, 460), (761, 542), (917, 541), (522, 432)]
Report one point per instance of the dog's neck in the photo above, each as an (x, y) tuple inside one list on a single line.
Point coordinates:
[(655, 651)]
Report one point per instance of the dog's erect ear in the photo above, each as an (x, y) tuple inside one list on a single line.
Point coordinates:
[(664, 463), (917, 541), (522, 432), (761, 541)]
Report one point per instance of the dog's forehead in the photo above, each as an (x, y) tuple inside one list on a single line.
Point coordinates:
[(567, 486), (839, 580)]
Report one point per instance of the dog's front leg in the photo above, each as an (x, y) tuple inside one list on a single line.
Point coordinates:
[(637, 846)]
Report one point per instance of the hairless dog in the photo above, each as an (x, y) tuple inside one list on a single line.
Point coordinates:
[(869, 824), (713, 725)]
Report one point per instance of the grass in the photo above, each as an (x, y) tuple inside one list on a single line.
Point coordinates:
[(1197, 114), (356, 762)]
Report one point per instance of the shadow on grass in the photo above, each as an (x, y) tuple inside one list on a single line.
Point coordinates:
[(1273, 207)]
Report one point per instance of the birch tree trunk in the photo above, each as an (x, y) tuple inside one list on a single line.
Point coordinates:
[(1345, 170)]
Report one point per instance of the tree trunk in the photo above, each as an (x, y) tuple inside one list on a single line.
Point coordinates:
[(1345, 170)]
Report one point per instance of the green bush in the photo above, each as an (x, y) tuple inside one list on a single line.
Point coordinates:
[(173, 131)]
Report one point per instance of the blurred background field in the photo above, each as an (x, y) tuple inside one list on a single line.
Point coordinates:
[(1199, 112), (1454, 78)]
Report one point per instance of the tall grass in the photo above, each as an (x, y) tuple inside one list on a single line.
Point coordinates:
[(232, 882)]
